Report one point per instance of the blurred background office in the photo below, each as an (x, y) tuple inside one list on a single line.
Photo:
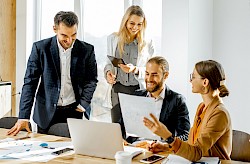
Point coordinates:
[(184, 31)]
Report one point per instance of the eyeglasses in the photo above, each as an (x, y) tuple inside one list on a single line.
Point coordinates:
[(192, 77)]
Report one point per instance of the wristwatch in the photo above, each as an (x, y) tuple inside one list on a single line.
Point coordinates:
[(170, 140)]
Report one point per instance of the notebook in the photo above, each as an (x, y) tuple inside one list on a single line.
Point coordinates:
[(98, 139)]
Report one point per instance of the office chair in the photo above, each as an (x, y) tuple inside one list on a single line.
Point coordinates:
[(8, 122), (59, 129), (241, 146)]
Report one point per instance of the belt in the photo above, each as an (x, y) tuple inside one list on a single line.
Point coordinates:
[(70, 106)]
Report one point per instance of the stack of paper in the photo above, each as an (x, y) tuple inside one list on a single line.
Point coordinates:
[(180, 160), (134, 151)]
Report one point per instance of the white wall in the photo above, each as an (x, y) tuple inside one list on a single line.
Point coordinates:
[(231, 46), (200, 43), (175, 42), (219, 30), (21, 6)]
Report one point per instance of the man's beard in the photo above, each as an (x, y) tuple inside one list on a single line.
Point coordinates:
[(156, 88)]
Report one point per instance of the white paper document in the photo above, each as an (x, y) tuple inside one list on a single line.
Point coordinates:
[(134, 108), (210, 160), (134, 151), (31, 150), (180, 160), (175, 159)]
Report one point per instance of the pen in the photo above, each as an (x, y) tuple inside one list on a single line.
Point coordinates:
[(22, 138), (129, 144)]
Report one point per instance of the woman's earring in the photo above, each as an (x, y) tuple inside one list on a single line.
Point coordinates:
[(205, 89)]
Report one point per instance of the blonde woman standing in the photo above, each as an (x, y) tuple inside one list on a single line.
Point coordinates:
[(129, 44)]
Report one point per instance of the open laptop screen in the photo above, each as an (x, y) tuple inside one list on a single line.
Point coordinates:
[(98, 139)]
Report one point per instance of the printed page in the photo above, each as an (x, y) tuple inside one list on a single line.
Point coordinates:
[(134, 108)]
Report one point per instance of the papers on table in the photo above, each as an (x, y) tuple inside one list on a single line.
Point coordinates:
[(30, 150), (7, 140), (175, 159), (134, 151), (180, 160), (212, 160), (134, 108)]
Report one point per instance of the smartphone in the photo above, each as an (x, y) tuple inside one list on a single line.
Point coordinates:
[(61, 151), (151, 159), (115, 61)]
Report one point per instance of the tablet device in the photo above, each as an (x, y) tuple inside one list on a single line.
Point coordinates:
[(115, 61)]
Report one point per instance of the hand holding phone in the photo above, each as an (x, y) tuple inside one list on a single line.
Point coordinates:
[(151, 159)]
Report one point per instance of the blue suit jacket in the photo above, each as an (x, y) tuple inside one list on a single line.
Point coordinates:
[(174, 113), (44, 65)]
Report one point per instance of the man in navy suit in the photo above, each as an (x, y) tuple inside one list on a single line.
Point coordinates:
[(171, 107), (61, 75)]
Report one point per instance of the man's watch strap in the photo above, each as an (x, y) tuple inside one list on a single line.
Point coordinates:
[(170, 140)]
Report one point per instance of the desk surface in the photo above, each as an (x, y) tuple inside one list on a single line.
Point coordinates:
[(76, 159)]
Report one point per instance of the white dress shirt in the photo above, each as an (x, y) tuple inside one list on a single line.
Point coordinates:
[(67, 95), (158, 101)]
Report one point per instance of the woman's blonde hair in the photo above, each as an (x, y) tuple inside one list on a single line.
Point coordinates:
[(123, 33)]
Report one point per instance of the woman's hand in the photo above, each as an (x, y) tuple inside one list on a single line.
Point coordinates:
[(157, 127), (127, 68), (111, 78), (156, 147)]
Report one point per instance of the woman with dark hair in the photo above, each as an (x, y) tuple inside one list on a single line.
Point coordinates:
[(211, 134)]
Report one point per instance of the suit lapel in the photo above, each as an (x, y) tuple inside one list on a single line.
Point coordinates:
[(74, 58), (165, 105), (55, 56)]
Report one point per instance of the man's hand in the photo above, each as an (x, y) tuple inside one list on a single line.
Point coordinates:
[(127, 68), (111, 77), (79, 110), (142, 144), (20, 124), (157, 127)]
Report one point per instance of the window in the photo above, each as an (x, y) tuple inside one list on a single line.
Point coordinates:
[(98, 25), (48, 11), (99, 19), (153, 12)]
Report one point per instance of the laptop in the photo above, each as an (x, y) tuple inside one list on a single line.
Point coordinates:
[(98, 139)]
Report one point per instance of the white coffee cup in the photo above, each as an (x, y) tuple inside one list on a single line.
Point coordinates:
[(123, 157)]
